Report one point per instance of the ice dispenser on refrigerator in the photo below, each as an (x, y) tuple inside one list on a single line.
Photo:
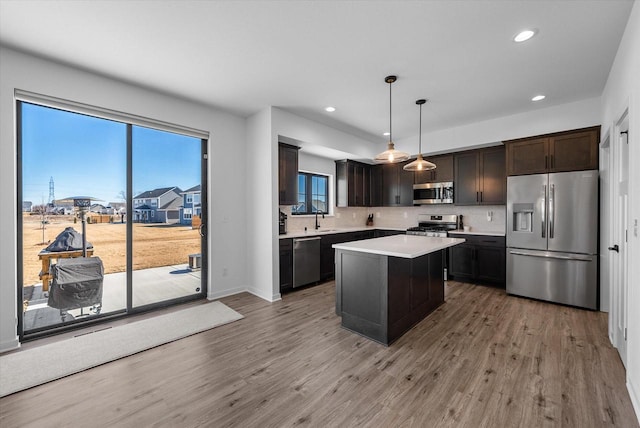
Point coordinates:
[(522, 218)]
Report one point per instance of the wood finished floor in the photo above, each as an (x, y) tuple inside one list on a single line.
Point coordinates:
[(483, 359)]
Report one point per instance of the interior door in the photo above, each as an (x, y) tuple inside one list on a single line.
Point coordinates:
[(619, 249)]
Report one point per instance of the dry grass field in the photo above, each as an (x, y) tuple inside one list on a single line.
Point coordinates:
[(154, 244)]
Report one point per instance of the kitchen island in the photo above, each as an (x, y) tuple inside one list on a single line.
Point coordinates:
[(384, 286)]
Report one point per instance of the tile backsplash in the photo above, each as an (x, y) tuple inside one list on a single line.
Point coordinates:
[(477, 217)]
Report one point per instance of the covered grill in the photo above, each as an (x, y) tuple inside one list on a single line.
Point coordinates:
[(77, 283)]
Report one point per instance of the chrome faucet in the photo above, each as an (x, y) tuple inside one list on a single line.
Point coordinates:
[(318, 224)]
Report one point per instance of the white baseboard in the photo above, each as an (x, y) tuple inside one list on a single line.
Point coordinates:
[(259, 293), (237, 290), (10, 346), (215, 295), (635, 398)]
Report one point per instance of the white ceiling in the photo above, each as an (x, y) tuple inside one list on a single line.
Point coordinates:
[(242, 56)]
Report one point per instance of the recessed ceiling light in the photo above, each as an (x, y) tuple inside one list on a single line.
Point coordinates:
[(330, 109), (524, 35), (538, 98), (386, 134)]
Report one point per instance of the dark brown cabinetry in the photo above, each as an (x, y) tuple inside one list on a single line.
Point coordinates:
[(397, 185), (327, 253), (287, 174), (376, 185), (286, 264), (480, 259), (443, 171), (563, 151), (353, 184), (480, 177)]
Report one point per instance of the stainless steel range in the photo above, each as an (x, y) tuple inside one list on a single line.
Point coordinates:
[(434, 225)]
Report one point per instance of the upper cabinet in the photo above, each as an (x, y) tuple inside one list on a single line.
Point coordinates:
[(443, 171), (353, 184), (397, 185), (480, 177), (287, 174), (564, 151)]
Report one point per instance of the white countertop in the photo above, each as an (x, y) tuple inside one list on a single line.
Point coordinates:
[(478, 232), (329, 231), (405, 246)]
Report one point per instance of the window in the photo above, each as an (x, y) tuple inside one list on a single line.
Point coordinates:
[(313, 194), (189, 198), (187, 213), (196, 198)]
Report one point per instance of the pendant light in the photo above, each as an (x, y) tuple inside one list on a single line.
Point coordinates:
[(391, 155), (420, 164)]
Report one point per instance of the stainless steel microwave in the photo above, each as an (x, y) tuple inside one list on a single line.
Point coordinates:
[(433, 193)]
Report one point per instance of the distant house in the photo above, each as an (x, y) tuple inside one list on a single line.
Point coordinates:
[(158, 206), (118, 207), (98, 209), (26, 206), (191, 205)]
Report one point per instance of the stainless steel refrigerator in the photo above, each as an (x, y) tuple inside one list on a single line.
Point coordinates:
[(552, 237)]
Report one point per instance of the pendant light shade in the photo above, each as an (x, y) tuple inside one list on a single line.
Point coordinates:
[(391, 155), (420, 164)]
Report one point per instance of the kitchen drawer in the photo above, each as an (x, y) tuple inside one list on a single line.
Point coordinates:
[(486, 240)]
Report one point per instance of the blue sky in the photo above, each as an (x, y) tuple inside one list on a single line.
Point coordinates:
[(87, 156)]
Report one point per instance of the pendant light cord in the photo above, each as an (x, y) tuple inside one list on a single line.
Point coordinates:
[(390, 133), (420, 134)]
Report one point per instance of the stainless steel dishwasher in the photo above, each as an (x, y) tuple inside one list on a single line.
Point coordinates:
[(306, 261)]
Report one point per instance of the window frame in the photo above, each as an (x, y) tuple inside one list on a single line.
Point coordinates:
[(309, 193)]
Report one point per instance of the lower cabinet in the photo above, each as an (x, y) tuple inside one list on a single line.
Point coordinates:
[(379, 233), (327, 253), (480, 259), (286, 264)]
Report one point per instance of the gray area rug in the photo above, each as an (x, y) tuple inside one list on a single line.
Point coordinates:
[(24, 369)]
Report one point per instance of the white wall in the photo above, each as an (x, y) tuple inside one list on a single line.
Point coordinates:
[(579, 114), (311, 134), (622, 91), (262, 205), (227, 184)]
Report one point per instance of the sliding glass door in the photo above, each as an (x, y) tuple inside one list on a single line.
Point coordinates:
[(110, 217), (167, 214)]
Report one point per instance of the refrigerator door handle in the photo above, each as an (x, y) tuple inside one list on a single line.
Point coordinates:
[(544, 209), (552, 256), (552, 202)]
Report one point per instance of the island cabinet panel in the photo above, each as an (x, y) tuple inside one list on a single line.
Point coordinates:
[(382, 297), (287, 174), (363, 303), (574, 150), (327, 253)]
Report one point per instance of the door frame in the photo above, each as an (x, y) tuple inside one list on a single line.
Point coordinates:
[(129, 120), (618, 227)]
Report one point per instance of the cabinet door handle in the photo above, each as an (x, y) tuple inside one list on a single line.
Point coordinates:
[(480, 196), (477, 196)]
